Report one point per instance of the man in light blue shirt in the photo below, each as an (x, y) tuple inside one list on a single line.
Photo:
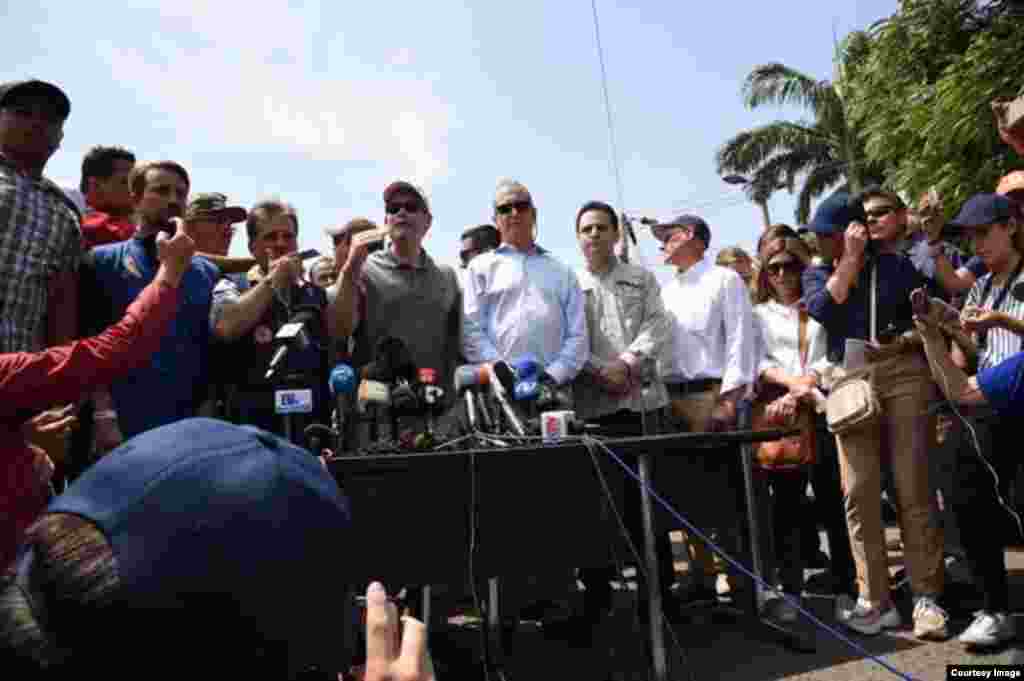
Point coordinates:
[(519, 300)]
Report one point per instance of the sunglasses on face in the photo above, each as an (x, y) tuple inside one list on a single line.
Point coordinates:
[(780, 268), (878, 213), (411, 207), (518, 206)]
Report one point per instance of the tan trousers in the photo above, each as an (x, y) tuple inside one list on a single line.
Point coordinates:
[(694, 410), (904, 436)]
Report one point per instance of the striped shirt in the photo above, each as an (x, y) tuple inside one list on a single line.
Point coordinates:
[(1001, 343)]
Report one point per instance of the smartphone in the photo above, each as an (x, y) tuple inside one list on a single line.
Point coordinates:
[(307, 254)]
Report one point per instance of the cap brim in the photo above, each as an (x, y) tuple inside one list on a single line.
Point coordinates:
[(662, 231), (232, 213)]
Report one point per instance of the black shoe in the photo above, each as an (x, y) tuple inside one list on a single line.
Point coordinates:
[(695, 594)]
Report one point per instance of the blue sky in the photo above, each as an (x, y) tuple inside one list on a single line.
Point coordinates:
[(323, 104)]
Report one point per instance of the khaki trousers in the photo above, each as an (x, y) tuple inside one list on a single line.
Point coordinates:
[(693, 412), (904, 436)]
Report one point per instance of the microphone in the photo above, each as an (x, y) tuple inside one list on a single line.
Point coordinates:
[(468, 379), (343, 384), (554, 397), (291, 334), (527, 384), (502, 383), (431, 395)]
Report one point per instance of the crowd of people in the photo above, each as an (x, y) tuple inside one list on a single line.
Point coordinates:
[(177, 339)]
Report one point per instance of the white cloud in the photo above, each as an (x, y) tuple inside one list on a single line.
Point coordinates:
[(254, 88)]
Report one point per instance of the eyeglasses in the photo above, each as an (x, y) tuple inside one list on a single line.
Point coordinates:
[(777, 270), (518, 206), (879, 212), (411, 207)]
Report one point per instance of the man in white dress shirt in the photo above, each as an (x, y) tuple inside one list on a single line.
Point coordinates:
[(714, 360)]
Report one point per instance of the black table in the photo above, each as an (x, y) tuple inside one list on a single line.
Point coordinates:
[(416, 514)]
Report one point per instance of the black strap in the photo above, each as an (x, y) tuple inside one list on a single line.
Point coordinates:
[(1000, 298)]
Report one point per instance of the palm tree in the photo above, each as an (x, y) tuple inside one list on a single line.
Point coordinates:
[(821, 153)]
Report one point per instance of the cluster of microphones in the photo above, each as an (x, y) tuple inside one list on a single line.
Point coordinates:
[(500, 398)]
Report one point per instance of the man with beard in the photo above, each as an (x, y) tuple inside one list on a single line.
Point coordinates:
[(166, 388)]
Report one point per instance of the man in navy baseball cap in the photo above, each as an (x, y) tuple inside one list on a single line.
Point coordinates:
[(195, 530), (982, 210)]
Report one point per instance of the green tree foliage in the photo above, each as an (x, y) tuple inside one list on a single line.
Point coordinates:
[(919, 85), (819, 153)]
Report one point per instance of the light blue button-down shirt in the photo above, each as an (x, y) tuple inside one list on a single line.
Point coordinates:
[(520, 304)]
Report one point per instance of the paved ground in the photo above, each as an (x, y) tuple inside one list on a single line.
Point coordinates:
[(716, 647)]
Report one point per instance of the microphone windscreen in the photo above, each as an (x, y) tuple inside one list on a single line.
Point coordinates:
[(343, 380), (526, 368), (471, 375), (503, 374)]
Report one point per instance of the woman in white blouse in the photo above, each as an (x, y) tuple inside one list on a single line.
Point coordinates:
[(778, 312)]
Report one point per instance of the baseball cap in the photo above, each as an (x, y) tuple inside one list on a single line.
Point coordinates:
[(403, 186), (835, 213), (39, 87), (211, 205), (663, 228), (983, 209), (1011, 182), (203, 510)]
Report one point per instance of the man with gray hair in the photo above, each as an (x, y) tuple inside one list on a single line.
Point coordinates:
[(519, 300)]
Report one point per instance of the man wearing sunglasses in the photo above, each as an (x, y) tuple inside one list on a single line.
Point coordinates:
[(865, 232), (521, 301), (400, 291)]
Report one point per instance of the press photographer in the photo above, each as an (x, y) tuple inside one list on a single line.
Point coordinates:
[(274, 321)]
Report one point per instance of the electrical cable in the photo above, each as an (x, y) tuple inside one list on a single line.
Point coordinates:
[(588, 442), (736, 564), (608, 110)]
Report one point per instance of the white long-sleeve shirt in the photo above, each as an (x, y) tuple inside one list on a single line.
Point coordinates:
[(714, 334), (525, 304), (780, 338)]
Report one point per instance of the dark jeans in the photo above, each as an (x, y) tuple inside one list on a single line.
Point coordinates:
[(598, 594), (787, 508), (831, 509), (986, 528)]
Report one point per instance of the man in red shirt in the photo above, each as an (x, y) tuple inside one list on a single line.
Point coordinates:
[(30, 381), (108, 195)]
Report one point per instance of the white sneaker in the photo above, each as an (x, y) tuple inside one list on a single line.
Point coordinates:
[(866, 619), (930, 621), (988, 629)]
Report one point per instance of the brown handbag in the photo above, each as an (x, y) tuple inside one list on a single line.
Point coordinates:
[(794, 452)]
